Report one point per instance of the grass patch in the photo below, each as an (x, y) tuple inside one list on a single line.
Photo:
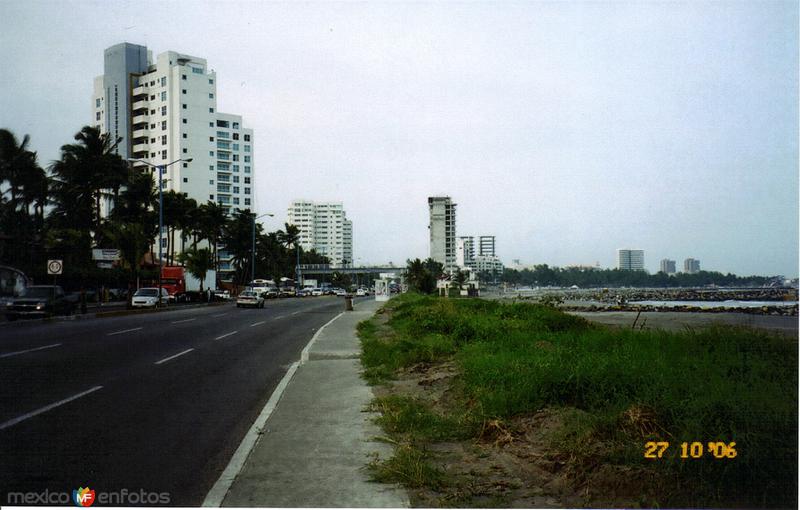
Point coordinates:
[(718, 384), (409, 466)]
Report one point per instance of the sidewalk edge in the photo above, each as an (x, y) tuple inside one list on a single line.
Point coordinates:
[(220, 489)]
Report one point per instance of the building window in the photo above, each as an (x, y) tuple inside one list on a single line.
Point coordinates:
[(247, 169), (152, 154), (163, 125), (247, 148), (152, 97), (236, 157), (222, 123), (247, 159), (163, 139), (210, 95), (211, 197), (184, 150), (235, 168), (97, 116), (97, 102), (236, 136), (246, 138), (210, 81), (224, 156), (184, 91), (210, 110), (184, 106), (197, 70), (164, 154), (224, 188), (152, 112), (163, 81), (236, 189), (211, 181), (185, 165), (247, 180), (235, 125), (246, 201), (163, 242), (235, 178), (164, 96), (184, 121), (223, 166), (210, 138), (184, 135), (183, 77), (247, 191), (211, 153), (223, 134), (236, 146), (185, 179), (163, 110), (235, 200), (152, 140), (211, 167)]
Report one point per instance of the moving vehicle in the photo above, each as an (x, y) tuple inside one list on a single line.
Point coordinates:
[(39, 301), (362, 292), (250, 298), (147, 297)]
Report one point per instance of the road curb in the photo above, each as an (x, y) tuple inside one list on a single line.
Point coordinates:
[(220, 489)]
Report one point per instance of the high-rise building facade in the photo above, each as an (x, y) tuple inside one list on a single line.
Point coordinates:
[(324, 227), (630, 260), (667, 266), (691, 266), (442, 229), (465, 251), (486, 245), (165, 110)]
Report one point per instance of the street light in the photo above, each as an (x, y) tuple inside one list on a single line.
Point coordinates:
[(161, 169), (253, 251)]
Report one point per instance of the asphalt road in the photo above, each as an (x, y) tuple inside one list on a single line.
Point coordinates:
[(154, 402)]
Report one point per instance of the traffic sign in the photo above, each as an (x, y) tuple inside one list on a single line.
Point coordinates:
[(55, 266)]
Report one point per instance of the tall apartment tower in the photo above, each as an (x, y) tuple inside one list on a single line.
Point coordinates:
[(324, 227), (486, 245), (465, 251), (630, 260), (166, 109), (667, 266), (691, 266), (442, 229)]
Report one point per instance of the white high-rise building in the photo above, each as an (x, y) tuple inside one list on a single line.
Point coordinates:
[(630, 260), (324, 227), (166, 109), (442, 229), (486, 245), (465, 251), (691, 266)]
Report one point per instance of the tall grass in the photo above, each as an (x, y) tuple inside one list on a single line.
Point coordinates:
[(719, 384)]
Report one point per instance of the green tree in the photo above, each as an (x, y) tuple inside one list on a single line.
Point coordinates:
[(198, 262)]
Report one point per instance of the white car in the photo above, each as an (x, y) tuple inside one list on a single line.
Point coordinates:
[(362, 292), (250, 298), (317, 292), (147, 297)]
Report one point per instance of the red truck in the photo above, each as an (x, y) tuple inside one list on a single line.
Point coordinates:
[(181, 284)]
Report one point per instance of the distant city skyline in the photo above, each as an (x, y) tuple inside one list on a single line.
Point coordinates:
[(565, 129)]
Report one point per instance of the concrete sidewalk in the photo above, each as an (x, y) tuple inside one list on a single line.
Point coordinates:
[(315, 444)]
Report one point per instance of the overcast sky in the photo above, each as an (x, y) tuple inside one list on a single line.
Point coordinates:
[(566, 129)]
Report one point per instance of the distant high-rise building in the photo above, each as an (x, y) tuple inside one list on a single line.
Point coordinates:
[(442, 229), (667, 266), (630, 260), (324, 227), (486, 245), (691, 266), (465, 251)]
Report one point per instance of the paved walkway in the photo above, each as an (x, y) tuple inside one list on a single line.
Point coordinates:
[(315, 444)]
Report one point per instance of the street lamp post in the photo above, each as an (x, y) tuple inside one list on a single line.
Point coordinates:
[(253, 251), (160, 169)]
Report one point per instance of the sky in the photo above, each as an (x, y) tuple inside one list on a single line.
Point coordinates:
[(565, 129)]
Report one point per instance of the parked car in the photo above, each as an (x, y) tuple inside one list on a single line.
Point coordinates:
[(222, 295), (317, 292), (340, 292), (39, 301), (147, 297), (271, 292), (250, 298), (303, 292), (362, 292)]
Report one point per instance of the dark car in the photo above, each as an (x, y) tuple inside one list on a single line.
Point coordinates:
[(39, 301)]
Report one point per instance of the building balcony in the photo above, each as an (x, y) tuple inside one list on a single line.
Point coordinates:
[(141, 132), (139, 91), (140, 104), (141, 147), (139, 118)]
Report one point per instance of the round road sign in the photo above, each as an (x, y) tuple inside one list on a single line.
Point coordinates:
[(54, 266)]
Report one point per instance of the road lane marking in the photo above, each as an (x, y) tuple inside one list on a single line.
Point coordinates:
[(295, 313), (15, 353), (173, 356), (278, 317), (251, 325), (226, 334), (220, 314), (184, 320), (124, 331), (11, 423)]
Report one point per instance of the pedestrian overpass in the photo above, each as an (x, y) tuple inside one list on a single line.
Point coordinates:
[(312, 270)]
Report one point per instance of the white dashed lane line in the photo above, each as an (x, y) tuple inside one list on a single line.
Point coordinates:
[(220, 314), (251, 325), (11, 423), (16, 353), (173, 356), (124, 331), (184, 320), (226, 335)]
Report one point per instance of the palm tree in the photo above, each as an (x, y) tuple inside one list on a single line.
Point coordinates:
[(198, 263), (212, 219)]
